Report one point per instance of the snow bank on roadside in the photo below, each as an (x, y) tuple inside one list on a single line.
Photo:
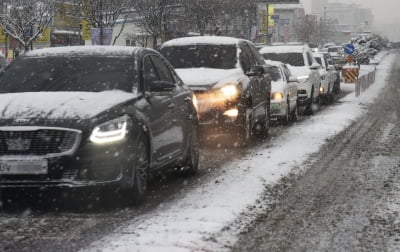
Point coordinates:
[(207, 211)]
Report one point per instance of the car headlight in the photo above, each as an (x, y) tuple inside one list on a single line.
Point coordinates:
[(111, 131), (277, 96), (321, 89), (230, 91), (195, 102)]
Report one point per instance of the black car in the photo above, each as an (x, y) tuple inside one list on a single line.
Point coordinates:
[(230, 80), (94, 116)]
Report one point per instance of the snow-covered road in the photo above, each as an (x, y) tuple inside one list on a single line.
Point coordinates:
[(210, 217)]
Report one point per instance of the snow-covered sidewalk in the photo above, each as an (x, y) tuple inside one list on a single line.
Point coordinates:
[(209, 217)]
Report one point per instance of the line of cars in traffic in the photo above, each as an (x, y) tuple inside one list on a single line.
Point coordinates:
[(112, 116)]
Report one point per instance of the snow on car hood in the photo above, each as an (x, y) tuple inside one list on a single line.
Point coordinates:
[(59, 105), (300, 71), (205, 78)]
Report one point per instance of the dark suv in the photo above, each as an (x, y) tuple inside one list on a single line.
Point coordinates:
[(230, 81), (91, 116)]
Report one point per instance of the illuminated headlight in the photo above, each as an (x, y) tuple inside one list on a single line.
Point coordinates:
[(195, 102), (277, 96), (321, 89), (231, 113), (230, 91), (111, 131)]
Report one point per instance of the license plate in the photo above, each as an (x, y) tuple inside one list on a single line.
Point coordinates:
[(23, 167)]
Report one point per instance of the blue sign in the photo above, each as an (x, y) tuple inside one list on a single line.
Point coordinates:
[(349, 49), (275, 17)]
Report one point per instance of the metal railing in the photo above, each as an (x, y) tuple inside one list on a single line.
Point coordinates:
[(364, 82)]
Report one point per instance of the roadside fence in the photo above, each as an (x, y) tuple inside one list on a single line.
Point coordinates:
[(364, 82)]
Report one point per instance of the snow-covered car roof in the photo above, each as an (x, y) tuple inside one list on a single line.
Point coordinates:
[(284, 49), (84, 50), (274, 62), (214, 40)]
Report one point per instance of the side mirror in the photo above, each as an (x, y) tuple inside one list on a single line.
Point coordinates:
[(256, 70), (315, 66), (293, 79), (162, 86)]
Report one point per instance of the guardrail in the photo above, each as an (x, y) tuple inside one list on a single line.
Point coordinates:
[(364, 82)]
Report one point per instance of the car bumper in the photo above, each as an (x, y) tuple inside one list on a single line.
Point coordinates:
[(91, 166), (277, 109)]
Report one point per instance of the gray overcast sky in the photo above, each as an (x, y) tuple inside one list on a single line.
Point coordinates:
[(386, 14), (385, 11)]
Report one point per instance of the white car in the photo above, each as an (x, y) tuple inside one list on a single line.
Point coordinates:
[(327, 74), (283, 106), (301, 63)]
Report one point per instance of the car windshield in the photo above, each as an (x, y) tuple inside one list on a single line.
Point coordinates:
[(275, 73), (92, 74), (195, 56), (319, 61), (294, 59)]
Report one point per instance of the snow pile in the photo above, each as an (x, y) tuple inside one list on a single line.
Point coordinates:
[(207, 217)]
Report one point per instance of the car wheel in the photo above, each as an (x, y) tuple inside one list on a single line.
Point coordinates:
[(294, 115), (246, 128), (285, 119), (140, 173), (263, 132), (309, 107), (191, 164)]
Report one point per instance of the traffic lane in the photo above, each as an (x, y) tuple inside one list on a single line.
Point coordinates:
[(76, 219), (340, 202), (68, 220)]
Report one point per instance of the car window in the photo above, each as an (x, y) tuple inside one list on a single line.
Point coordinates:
[(310, 58), (257, 56), (204, 55), (275, 73), (293, 59), (60, 73), (150, 73), (163, 71), (246, 58)]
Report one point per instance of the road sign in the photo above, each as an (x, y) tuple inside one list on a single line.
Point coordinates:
[(349, 49), (275, 17)]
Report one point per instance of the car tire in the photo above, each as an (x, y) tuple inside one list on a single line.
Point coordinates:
[(309, 107), (294, 116), (191, 164), (286, 118), (263, 132), (246, 128), (140, 173)]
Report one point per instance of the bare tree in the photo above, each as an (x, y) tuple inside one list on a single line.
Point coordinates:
[(25, 20), (203, 15), (155, 16), (104, 14)]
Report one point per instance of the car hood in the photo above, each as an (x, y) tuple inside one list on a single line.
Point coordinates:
[(300, 71), (59, 105), (206, 78), (277, 86)]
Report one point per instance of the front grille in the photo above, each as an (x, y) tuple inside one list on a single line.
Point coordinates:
[(41, 141)]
